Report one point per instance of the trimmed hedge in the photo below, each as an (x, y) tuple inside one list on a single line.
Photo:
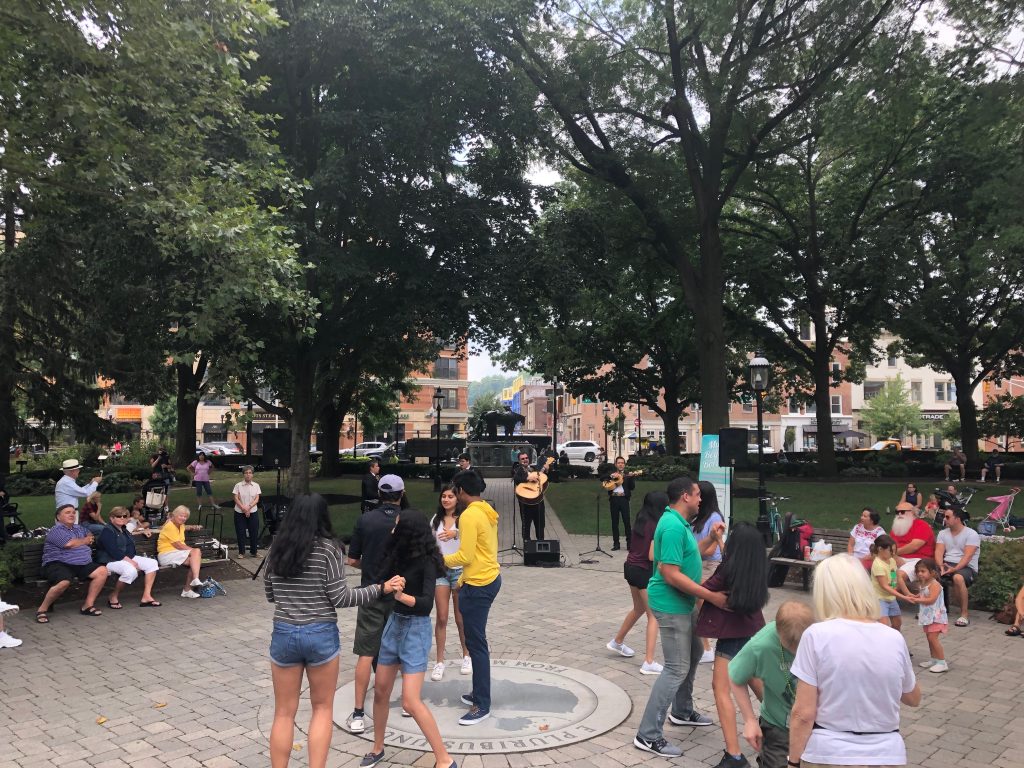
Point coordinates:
[(1000, 574)]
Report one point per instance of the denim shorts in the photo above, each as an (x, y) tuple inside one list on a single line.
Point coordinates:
[(308, 645), (406, 641), (890, 608), (728, 647), (451, 580), (201, 486)]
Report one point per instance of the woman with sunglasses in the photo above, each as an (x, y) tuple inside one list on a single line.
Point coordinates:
[(115, 548)]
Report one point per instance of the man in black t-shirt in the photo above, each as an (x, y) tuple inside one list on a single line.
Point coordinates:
[(528, 512), (370, 480)]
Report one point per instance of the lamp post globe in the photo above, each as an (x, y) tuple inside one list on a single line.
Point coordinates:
[(758, 377), (438, 406)]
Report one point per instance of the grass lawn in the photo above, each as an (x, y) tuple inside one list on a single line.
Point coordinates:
[(834, 504), (38, 510)]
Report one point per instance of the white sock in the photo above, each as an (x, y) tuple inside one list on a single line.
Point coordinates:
[(197, 583)]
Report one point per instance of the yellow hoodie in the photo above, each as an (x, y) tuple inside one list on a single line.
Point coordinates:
[(478, 545)]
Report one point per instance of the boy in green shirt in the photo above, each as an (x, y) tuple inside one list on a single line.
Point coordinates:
[(767, 657)]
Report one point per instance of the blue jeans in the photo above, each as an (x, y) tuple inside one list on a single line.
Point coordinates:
[(310, 645), (475, 604), (674, 686)]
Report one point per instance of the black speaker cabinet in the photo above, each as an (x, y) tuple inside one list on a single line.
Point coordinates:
[(277, 448), (732, 448), (542, 552)]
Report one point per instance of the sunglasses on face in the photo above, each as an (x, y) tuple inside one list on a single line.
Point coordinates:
[(118, 517)]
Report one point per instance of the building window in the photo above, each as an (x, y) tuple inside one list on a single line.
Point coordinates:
[(794, 405), (811, 409), (837, 404), (892, 361), (872, 389), (945, 392), (451, 399), (446, 368), (837, 369), (748, 407), (805, 329), (915, 391)]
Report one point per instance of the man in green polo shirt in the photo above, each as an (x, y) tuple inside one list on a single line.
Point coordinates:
[(767, 657), (671, 594)]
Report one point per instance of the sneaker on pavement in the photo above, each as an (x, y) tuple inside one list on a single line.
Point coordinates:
[(6, 641), (728, 761), (467, 666), (657, 747), (620, 648), (654, 668), (707, 657), (404, 713), (467, 698), (927, 663), (939, 666), (189, 593), (695, 719), (197, 583), (371, 758), (438, 672), (474, 716), (7, 609), (357, 724)]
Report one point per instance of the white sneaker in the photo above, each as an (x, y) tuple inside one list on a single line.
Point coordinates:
[(620, 648), (926, 664), (654, 668), (6, 641), (707, 657), (189, 593), (467, 666), (196, 583), (939, 666), (7, 609), (438, 672), (355, 723)]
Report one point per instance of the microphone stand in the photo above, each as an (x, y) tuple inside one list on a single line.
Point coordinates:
[(597, 519)]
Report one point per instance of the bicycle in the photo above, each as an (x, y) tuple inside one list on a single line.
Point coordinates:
[(774, 516)]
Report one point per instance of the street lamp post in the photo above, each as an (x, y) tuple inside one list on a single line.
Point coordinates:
[(606, 410), (438, 405), (758, 374)]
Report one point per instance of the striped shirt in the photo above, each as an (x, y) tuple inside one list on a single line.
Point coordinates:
[(313, 596), (55, 546)]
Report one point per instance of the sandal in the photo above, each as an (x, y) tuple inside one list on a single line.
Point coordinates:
[(90, 611), (114, 606), (150, 604), (1013, 631), (42, 618), (962, 622)]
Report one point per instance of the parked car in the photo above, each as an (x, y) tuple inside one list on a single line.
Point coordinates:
[(892, 444), (581, 450), (220, 448), (371, 449)]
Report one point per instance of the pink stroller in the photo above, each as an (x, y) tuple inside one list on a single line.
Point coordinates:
[(1000, 516)]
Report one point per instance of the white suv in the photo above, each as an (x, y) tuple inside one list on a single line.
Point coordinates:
[(581, 450)]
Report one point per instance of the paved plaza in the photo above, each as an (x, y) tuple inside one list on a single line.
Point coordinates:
[(189, 684)]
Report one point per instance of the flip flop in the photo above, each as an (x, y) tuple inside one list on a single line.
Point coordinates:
[(1012, 631), (42, 618), (114, 606), (962, 622), (90, 611), (150, 604)]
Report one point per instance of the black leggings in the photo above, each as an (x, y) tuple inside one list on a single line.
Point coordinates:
[(250, 525)]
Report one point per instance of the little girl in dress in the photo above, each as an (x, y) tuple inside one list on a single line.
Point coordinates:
[(932, 615)]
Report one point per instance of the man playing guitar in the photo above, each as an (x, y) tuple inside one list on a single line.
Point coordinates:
[(618, 500), (528, 512)]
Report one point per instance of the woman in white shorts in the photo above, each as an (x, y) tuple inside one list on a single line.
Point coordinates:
[(171, 549), (115, 548)]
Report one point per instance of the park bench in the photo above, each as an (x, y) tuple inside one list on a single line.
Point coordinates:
[(32, 554), (800, 570)]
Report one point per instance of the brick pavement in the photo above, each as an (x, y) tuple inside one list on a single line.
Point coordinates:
[(206, 662)]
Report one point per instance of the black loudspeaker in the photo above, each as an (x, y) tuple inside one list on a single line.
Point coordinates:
[(732, 448), (277, 448), (543, 553)]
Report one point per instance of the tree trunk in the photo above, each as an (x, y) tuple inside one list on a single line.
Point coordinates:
[(330, 427), (8, 416), (189, 392), (827, 466), (710, 330), (969, 432), (303, 414), (673, 411)]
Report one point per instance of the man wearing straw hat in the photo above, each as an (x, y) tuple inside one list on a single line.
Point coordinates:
[(68, 491)]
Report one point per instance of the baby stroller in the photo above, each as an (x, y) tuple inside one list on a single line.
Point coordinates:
[(154, 495), (948, 500), (1000, 516)]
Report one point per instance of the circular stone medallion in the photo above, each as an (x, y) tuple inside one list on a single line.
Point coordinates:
[(534, 705)]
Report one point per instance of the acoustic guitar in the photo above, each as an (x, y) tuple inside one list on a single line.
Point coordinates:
[(532, 491), (614, 482)]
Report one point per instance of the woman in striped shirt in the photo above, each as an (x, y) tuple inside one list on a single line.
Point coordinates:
[(305, 579)]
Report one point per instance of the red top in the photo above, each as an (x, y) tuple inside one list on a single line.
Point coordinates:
[(640, 546), (714, 622), (919, 529)]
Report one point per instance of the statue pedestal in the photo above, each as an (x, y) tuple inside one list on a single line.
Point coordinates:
[(498, 456)]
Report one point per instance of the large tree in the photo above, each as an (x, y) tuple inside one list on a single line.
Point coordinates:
[(406, 143), (672, 104), (965, 236)]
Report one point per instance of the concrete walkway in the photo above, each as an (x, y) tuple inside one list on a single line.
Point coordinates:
[(188, 684)]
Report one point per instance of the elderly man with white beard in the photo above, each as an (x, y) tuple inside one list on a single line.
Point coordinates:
[(914, 539)]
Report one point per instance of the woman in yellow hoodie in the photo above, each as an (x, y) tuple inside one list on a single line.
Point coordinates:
[(481, 580)]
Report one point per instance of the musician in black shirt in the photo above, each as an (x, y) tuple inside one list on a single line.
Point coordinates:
[(618, 501), (529, 512)]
